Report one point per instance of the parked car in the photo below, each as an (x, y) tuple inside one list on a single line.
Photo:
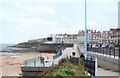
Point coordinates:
[(105, 45), (95, 45), (90, 45), (111, 45)]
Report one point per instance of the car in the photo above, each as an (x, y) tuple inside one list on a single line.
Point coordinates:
[(90, 45), (95, 45), (111, 45), (105, 45)]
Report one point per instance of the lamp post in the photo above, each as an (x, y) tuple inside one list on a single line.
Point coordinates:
[(101, 35), (85, 36)]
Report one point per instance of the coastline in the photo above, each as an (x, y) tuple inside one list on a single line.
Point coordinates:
[(11, 66)]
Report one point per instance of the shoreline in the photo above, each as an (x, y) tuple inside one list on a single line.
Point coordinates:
[(11, 66)]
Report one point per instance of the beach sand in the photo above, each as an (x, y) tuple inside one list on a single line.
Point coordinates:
[(11, 66)]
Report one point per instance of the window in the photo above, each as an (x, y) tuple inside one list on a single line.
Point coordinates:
[(49, 39)]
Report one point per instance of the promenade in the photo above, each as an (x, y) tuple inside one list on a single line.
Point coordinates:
[(101, 71)]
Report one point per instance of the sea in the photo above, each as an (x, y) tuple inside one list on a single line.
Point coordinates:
[(4, 53)]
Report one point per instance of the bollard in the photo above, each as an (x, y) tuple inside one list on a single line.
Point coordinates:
[(34, 63), (119, 53), (110, 52), (25, 63), (96, 67), (114, 52), (103, 51)]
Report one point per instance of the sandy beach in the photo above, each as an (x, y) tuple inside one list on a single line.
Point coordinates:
[(11, 66)]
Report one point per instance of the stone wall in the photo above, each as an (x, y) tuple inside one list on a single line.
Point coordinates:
[(107, 62), (34, 71)]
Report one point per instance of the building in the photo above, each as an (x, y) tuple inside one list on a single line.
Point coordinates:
[(96, 36), (70, 38), (92, 36), (57, 38), (115, 34), (105, 36), (80, 37)]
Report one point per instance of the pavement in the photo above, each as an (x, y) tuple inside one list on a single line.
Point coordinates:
[(69, 51), (81, 46), (103, 72)]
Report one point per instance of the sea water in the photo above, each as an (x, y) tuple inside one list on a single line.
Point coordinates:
[(6, 54)]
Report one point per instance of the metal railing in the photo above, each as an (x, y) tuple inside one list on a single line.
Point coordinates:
[(115, 51), (59, 53)]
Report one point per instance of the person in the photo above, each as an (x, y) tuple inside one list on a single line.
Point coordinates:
[(47, 58), (43, 62), (42, 59)]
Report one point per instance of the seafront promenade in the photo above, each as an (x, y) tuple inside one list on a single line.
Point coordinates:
[(101, 71), (14, 63)]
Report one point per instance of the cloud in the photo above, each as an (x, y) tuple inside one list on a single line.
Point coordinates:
[(35, 9), (34, 25), (41, 10), (33, 21), (66, 19)]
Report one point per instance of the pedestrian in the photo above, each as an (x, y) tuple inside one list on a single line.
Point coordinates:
[(47, 58)]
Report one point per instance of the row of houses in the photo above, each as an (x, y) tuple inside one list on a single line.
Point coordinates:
[(93, 36)]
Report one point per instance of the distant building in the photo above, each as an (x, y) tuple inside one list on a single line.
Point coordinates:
[(70, 38), (115, 34), (92, 36), (105, 36), (57, 38), (80, 37)]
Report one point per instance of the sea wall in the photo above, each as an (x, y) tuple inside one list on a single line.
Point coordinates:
[(43, 47), (34, 71), (107, 62)]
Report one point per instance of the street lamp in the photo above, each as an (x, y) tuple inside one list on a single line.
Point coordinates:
[(85, 41), (101, 34)]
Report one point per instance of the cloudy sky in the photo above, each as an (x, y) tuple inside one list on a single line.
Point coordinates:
[(21, 20)]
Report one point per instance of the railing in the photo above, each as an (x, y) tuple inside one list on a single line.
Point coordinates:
[(78, 48), (115, 52), (90, 66), (59, 53)]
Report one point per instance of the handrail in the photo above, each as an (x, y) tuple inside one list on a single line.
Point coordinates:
[(106, 51)]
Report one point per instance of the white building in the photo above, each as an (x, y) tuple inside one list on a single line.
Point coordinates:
[(57, 38)]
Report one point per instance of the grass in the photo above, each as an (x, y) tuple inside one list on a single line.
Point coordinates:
[(66, 69)]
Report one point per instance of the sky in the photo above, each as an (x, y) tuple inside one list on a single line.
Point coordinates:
[(22, 20)]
